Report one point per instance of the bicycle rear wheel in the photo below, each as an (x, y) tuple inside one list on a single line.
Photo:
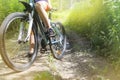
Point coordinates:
[(14, 52), (58, 42)]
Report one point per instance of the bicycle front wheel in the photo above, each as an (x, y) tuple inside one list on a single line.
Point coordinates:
[(58, 42), (14, 51)]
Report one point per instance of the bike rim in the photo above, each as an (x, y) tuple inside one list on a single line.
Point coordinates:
[(16, 52)]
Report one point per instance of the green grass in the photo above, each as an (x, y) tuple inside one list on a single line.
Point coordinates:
[(45, 75)]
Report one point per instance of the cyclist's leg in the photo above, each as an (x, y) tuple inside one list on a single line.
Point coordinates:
[(42, 8), (32, 43)]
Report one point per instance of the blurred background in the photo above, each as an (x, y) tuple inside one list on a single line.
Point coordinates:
[(97, 20)]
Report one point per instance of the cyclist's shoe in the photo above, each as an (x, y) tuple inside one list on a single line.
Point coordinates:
[(29, 55), (42, 50), (51, 32)]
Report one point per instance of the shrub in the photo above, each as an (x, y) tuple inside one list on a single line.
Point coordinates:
[(99, 21), (7, 7)]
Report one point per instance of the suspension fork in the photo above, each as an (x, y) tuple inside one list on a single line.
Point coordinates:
[(28, 32), (20, 32), (29, 28), (29, 9)]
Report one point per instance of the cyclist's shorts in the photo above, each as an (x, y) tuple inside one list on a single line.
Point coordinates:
[(41, 0), (44, 3)]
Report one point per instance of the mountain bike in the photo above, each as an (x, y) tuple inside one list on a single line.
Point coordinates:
[(15, 33)]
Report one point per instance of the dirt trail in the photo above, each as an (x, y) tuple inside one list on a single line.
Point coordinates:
[(74, 66), (79, 64)]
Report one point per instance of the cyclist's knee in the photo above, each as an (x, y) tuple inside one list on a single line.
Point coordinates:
[(38, 5)]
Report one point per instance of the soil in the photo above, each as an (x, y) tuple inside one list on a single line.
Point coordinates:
[(78, 63)]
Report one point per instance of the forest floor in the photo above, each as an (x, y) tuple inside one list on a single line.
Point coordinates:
[(79, 63)]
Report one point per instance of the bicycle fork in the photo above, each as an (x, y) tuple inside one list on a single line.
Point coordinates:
[(21, 30)]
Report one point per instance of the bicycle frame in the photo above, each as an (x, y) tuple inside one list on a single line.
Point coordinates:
[(30, 9), (41, 29)]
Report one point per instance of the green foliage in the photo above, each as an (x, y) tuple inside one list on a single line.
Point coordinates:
[(8, 6), (99, 21), (113, 39), (83, 15), (106, 36), (63, 4), (55, 3), (60, 15)]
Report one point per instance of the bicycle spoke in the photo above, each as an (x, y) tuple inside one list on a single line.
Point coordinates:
[(58, 41)]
